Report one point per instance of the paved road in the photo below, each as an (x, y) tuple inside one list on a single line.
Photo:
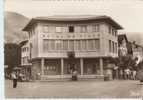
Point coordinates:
[(82, 89)]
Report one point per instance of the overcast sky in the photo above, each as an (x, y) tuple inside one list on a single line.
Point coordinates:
[(128, 13)]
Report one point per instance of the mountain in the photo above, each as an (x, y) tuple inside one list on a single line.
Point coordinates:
[(135, 36), (13, 25)]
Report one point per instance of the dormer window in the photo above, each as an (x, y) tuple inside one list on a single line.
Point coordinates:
[(71, 29)]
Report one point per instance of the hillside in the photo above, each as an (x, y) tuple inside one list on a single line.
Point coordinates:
[(13, 24), (138, 37)]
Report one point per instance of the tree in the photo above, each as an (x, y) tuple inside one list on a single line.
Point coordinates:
[(12, 55)]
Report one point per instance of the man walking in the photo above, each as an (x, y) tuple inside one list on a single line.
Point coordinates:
[(14, 78)]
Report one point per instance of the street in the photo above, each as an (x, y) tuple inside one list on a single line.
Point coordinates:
[(79, 89)]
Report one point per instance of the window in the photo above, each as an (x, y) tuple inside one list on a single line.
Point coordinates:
[(110, 46), (96, 44), (90, 45), (83, 29), (65, 45), (110, 29), (46, 45), (96, 28), (78, 45), (27, 49), (71, 45), (71, 29), (115, 47), (84, 46), (52, 44), (113, 50), (58, 29), (45, 29), (58, 44), (115, 32)]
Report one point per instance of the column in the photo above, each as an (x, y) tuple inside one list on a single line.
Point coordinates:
[(62, 66), (101, 66), (81, 65), (42, 66)]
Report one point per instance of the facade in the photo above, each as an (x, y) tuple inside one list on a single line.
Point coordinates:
[(137, 52), (25, 56), (58, 44), (122, 43)]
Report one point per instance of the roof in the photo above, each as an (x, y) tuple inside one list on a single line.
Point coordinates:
[(23, 43), (73, 18)]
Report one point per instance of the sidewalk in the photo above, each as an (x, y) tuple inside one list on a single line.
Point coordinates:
[(88, 89)]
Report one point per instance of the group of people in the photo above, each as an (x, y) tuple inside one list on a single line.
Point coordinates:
[(15, 76), (127, 74)]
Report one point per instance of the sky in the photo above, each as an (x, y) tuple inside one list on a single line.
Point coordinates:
[(128, 13)]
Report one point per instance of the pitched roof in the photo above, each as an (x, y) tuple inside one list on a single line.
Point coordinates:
[(23, 43), (73, 18)]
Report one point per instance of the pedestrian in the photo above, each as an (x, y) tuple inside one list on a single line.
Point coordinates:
[(134, 74), (14, 78), (74, 75), (121, 74), (127, 73)]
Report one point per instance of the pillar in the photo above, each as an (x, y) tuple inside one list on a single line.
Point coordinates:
[(62, 66), (42, 66), (81, 65), (101, 66)]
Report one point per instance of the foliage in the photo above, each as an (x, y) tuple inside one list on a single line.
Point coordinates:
[(12, 55)]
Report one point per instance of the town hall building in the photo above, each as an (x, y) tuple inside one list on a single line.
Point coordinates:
[(57, 44)]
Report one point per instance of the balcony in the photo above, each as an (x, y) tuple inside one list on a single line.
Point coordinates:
[(70, 36)]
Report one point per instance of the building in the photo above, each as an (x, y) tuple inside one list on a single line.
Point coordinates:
[(58, 44), (25, 56), (137, 52), (122, 43)]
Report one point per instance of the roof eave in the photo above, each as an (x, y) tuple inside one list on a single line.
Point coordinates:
[(33, 20)]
